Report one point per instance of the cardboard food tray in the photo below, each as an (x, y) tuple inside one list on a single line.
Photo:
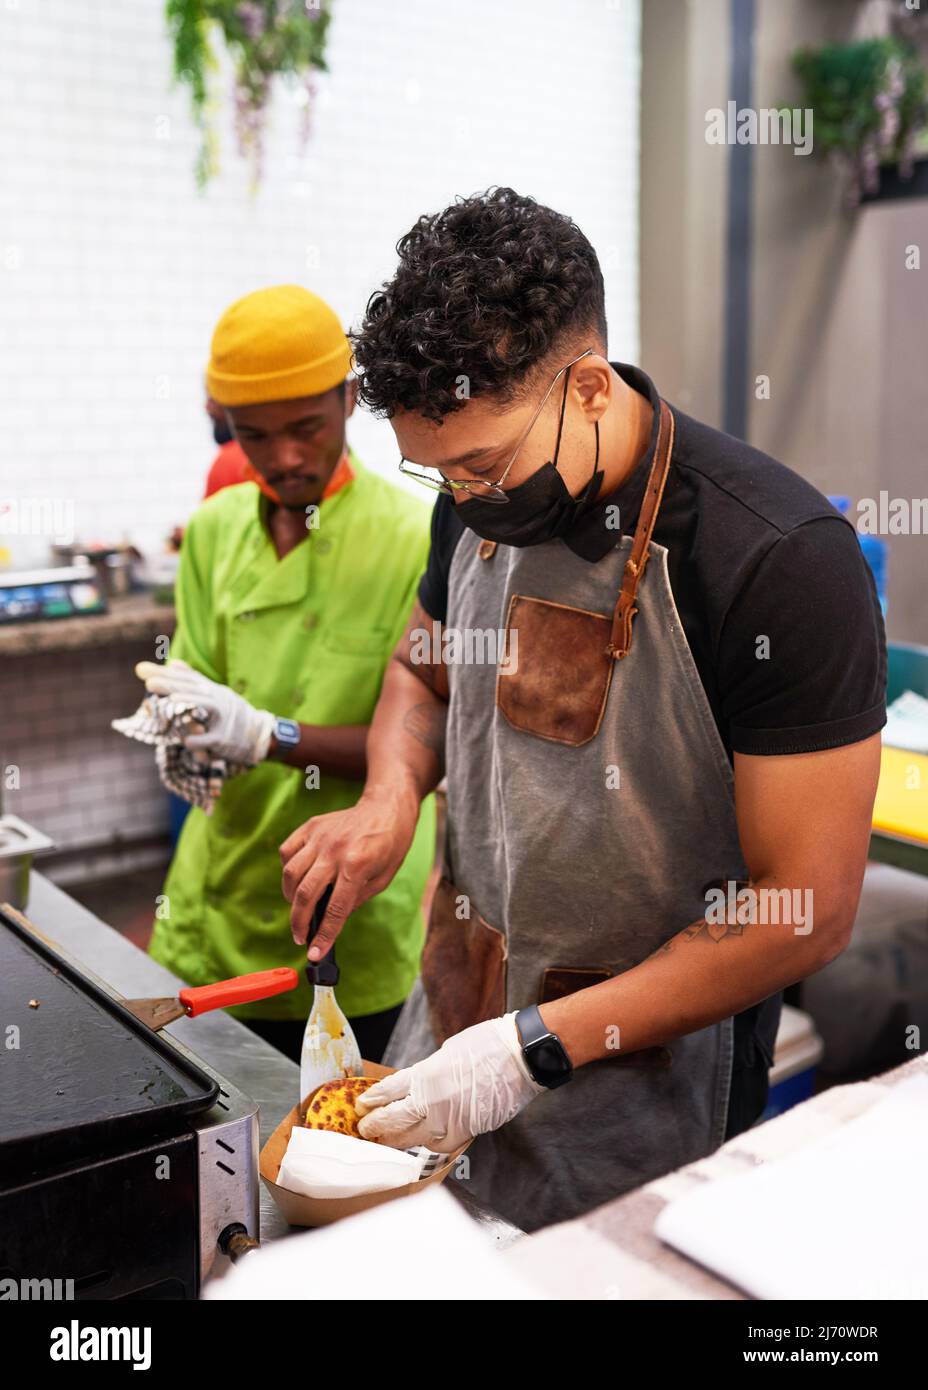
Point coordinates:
[(300, 1210)]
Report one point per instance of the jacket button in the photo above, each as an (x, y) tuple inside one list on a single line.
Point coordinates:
[(241, 686), (310, 621), (323, 546), (246, 617)]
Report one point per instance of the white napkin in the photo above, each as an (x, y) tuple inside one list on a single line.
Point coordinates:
[(844, 1217), (907, 723), (423, 1250), (321, 1163)]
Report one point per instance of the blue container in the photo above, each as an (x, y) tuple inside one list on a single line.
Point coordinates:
[(796, 1055), (790, 1092)]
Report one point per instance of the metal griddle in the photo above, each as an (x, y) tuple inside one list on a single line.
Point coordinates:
[(87, 1077)]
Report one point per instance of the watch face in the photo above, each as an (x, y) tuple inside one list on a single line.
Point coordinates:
[(287, 732), (548, 1057)]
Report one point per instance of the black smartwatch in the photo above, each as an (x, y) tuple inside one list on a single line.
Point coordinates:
[(286, 736), (545, 1055)]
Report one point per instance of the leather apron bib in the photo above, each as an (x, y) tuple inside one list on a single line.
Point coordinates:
[(590, 804)]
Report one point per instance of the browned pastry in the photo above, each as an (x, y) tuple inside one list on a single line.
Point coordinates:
[(332, 1105)]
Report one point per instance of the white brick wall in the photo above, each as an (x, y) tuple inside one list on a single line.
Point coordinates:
[(113, 268)]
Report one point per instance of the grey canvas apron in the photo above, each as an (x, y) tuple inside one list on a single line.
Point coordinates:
[(570, 879)]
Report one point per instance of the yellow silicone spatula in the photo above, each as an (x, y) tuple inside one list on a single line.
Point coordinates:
[(330, 1049)]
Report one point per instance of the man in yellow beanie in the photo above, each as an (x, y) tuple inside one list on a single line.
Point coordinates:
[(292, 591)]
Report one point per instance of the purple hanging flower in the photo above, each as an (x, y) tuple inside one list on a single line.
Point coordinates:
[(252, 17), (267, 39), (869, 165), (306, 110)]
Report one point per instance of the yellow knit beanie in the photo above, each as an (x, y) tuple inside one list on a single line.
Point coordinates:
[(274, 345)]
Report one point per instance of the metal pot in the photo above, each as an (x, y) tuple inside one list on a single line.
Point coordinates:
[(19, 843)]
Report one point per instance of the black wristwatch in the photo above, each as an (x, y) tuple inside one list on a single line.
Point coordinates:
[(545, 1055), (286, 734)]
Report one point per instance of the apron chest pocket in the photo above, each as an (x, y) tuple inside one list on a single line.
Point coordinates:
[(557, 679)]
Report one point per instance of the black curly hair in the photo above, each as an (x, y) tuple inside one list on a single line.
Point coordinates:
[(487, 290)]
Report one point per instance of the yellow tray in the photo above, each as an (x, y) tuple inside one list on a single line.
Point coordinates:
[(902, 797)]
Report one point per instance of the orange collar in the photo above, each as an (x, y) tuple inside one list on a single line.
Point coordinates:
[(343, 474)]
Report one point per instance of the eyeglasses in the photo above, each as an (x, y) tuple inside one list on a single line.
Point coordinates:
[(435, 479)]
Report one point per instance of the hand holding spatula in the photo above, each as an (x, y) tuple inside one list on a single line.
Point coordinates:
[(330, 1049)]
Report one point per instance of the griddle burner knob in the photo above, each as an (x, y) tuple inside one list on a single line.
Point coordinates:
[(235, 1241)]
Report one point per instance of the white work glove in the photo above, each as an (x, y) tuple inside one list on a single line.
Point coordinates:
[(237, 731), (474, 1083)]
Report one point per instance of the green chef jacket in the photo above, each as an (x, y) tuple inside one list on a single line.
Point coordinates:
[(307, 637)]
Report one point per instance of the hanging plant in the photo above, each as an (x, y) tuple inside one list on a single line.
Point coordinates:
[(265, 39), (870, 106)]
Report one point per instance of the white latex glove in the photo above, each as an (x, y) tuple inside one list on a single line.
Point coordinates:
[(474, 1083), (237, 731)]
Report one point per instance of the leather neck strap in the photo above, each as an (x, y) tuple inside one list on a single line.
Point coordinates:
[(625, 609)]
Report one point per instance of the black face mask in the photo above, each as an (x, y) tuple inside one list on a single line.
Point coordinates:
[(538, 510)]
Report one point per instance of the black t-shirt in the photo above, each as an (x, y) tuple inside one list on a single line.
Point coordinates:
[(753, 552)]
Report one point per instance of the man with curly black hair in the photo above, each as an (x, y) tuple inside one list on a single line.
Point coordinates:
[(651, 663)]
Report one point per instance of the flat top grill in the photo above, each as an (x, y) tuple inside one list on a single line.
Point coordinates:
[(87, 1075)]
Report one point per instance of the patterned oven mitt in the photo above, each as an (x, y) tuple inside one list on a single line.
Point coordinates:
[(164, 722)]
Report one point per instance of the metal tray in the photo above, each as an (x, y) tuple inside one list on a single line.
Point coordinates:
[(19, 844), (87, 1078)]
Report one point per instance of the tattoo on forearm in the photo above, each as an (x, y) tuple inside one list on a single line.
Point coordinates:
[(712, 931), (426, 724)]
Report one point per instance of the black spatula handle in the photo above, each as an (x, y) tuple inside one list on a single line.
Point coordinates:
[(324, 971)]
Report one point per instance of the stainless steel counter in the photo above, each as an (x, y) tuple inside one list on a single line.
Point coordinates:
[(228, 1046)]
